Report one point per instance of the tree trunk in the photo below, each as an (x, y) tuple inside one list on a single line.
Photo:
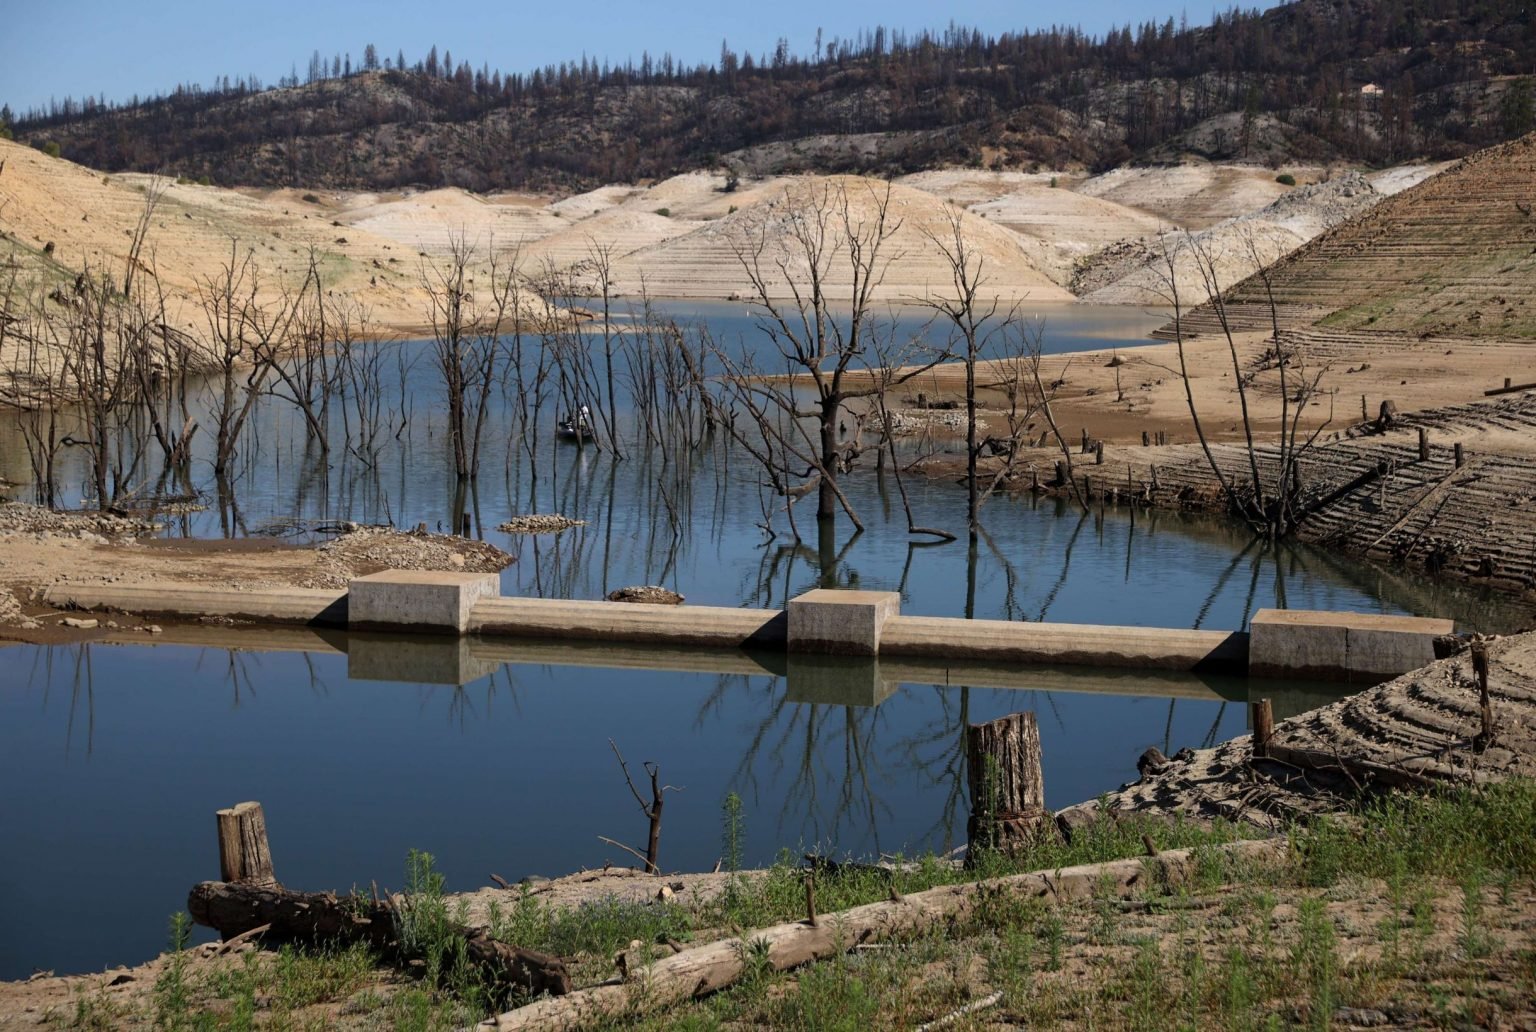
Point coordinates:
[(826, 498), (1006, 783), (698, 972), (231, 909), (244, 855)]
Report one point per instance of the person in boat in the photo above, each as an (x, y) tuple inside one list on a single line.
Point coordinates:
[(584, 419)]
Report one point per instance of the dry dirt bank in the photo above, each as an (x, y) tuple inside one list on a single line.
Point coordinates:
[(1417, 730), (41, 548)]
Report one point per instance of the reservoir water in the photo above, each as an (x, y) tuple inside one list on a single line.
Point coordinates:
[(115, 757)]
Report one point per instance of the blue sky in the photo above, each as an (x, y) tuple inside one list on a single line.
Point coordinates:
[(55, 48)]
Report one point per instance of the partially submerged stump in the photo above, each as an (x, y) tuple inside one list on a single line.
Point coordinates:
[(1006, 783)]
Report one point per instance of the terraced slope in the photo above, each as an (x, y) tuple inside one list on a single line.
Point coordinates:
[(1454, 255), (705, 262)]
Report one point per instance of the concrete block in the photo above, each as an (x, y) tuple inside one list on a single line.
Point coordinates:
[(416, 659), (417, 600), (840, 623), (1361, 648), (836, 680)]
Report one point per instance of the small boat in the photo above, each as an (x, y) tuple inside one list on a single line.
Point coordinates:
[(568, 430)]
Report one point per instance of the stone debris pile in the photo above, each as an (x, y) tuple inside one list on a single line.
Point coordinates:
[(537, 523)]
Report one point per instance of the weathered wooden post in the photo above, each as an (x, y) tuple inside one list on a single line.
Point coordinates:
[(1085, 441), (1461, 456), (1263, 727), (1098, 453), (1006, 783), (1423, 444), (244, 855), (1146, 439), (1365, 413), (1484, 738), (1061, 472)]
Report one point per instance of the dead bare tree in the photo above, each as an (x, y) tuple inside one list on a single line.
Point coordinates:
[(467, 322), (652, 810), (792, 257), (1272, 507)]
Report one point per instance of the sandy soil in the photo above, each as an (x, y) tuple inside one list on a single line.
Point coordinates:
[(1420, 725), (42, 548), (673, 238)]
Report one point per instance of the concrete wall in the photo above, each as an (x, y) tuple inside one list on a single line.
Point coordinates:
[(1350, 647), (417, 600), (1360, 648)]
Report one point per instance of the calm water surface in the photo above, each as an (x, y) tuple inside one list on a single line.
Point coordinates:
[(116, 756)]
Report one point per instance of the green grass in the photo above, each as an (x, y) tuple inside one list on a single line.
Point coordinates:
[(1402, 903)]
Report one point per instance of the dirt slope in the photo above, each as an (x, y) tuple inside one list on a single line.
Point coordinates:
[(1455, 254), (705, 263), (89, 218)]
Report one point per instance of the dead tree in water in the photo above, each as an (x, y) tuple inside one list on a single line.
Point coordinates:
[(790, 256), (467, 319)]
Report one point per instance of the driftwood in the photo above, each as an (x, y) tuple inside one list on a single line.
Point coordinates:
[(233, 909), (708, 969)]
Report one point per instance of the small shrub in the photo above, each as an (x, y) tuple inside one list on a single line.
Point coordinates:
[(310, 198), (1053, 182), (51, 148), (1285, 179), (665, 213)]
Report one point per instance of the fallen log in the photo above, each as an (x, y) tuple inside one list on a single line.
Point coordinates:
[(708, 969), (232, 909)]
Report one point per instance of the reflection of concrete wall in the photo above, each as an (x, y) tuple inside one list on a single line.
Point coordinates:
[(837, 680), (416, 659)]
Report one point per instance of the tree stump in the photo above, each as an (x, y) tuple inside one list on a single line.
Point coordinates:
[(1006, 783), (244, 855), (1263, 727)]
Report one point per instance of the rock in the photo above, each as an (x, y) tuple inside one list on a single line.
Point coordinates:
[(664, 893), (1076, 818), (539, 523), (122, 979), (649, 594), (1360, 1017), (1152, 762), (79, 624), (153, 629)]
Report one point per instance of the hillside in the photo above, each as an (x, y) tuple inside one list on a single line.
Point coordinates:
[(1375, 81), (1452, 256)]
